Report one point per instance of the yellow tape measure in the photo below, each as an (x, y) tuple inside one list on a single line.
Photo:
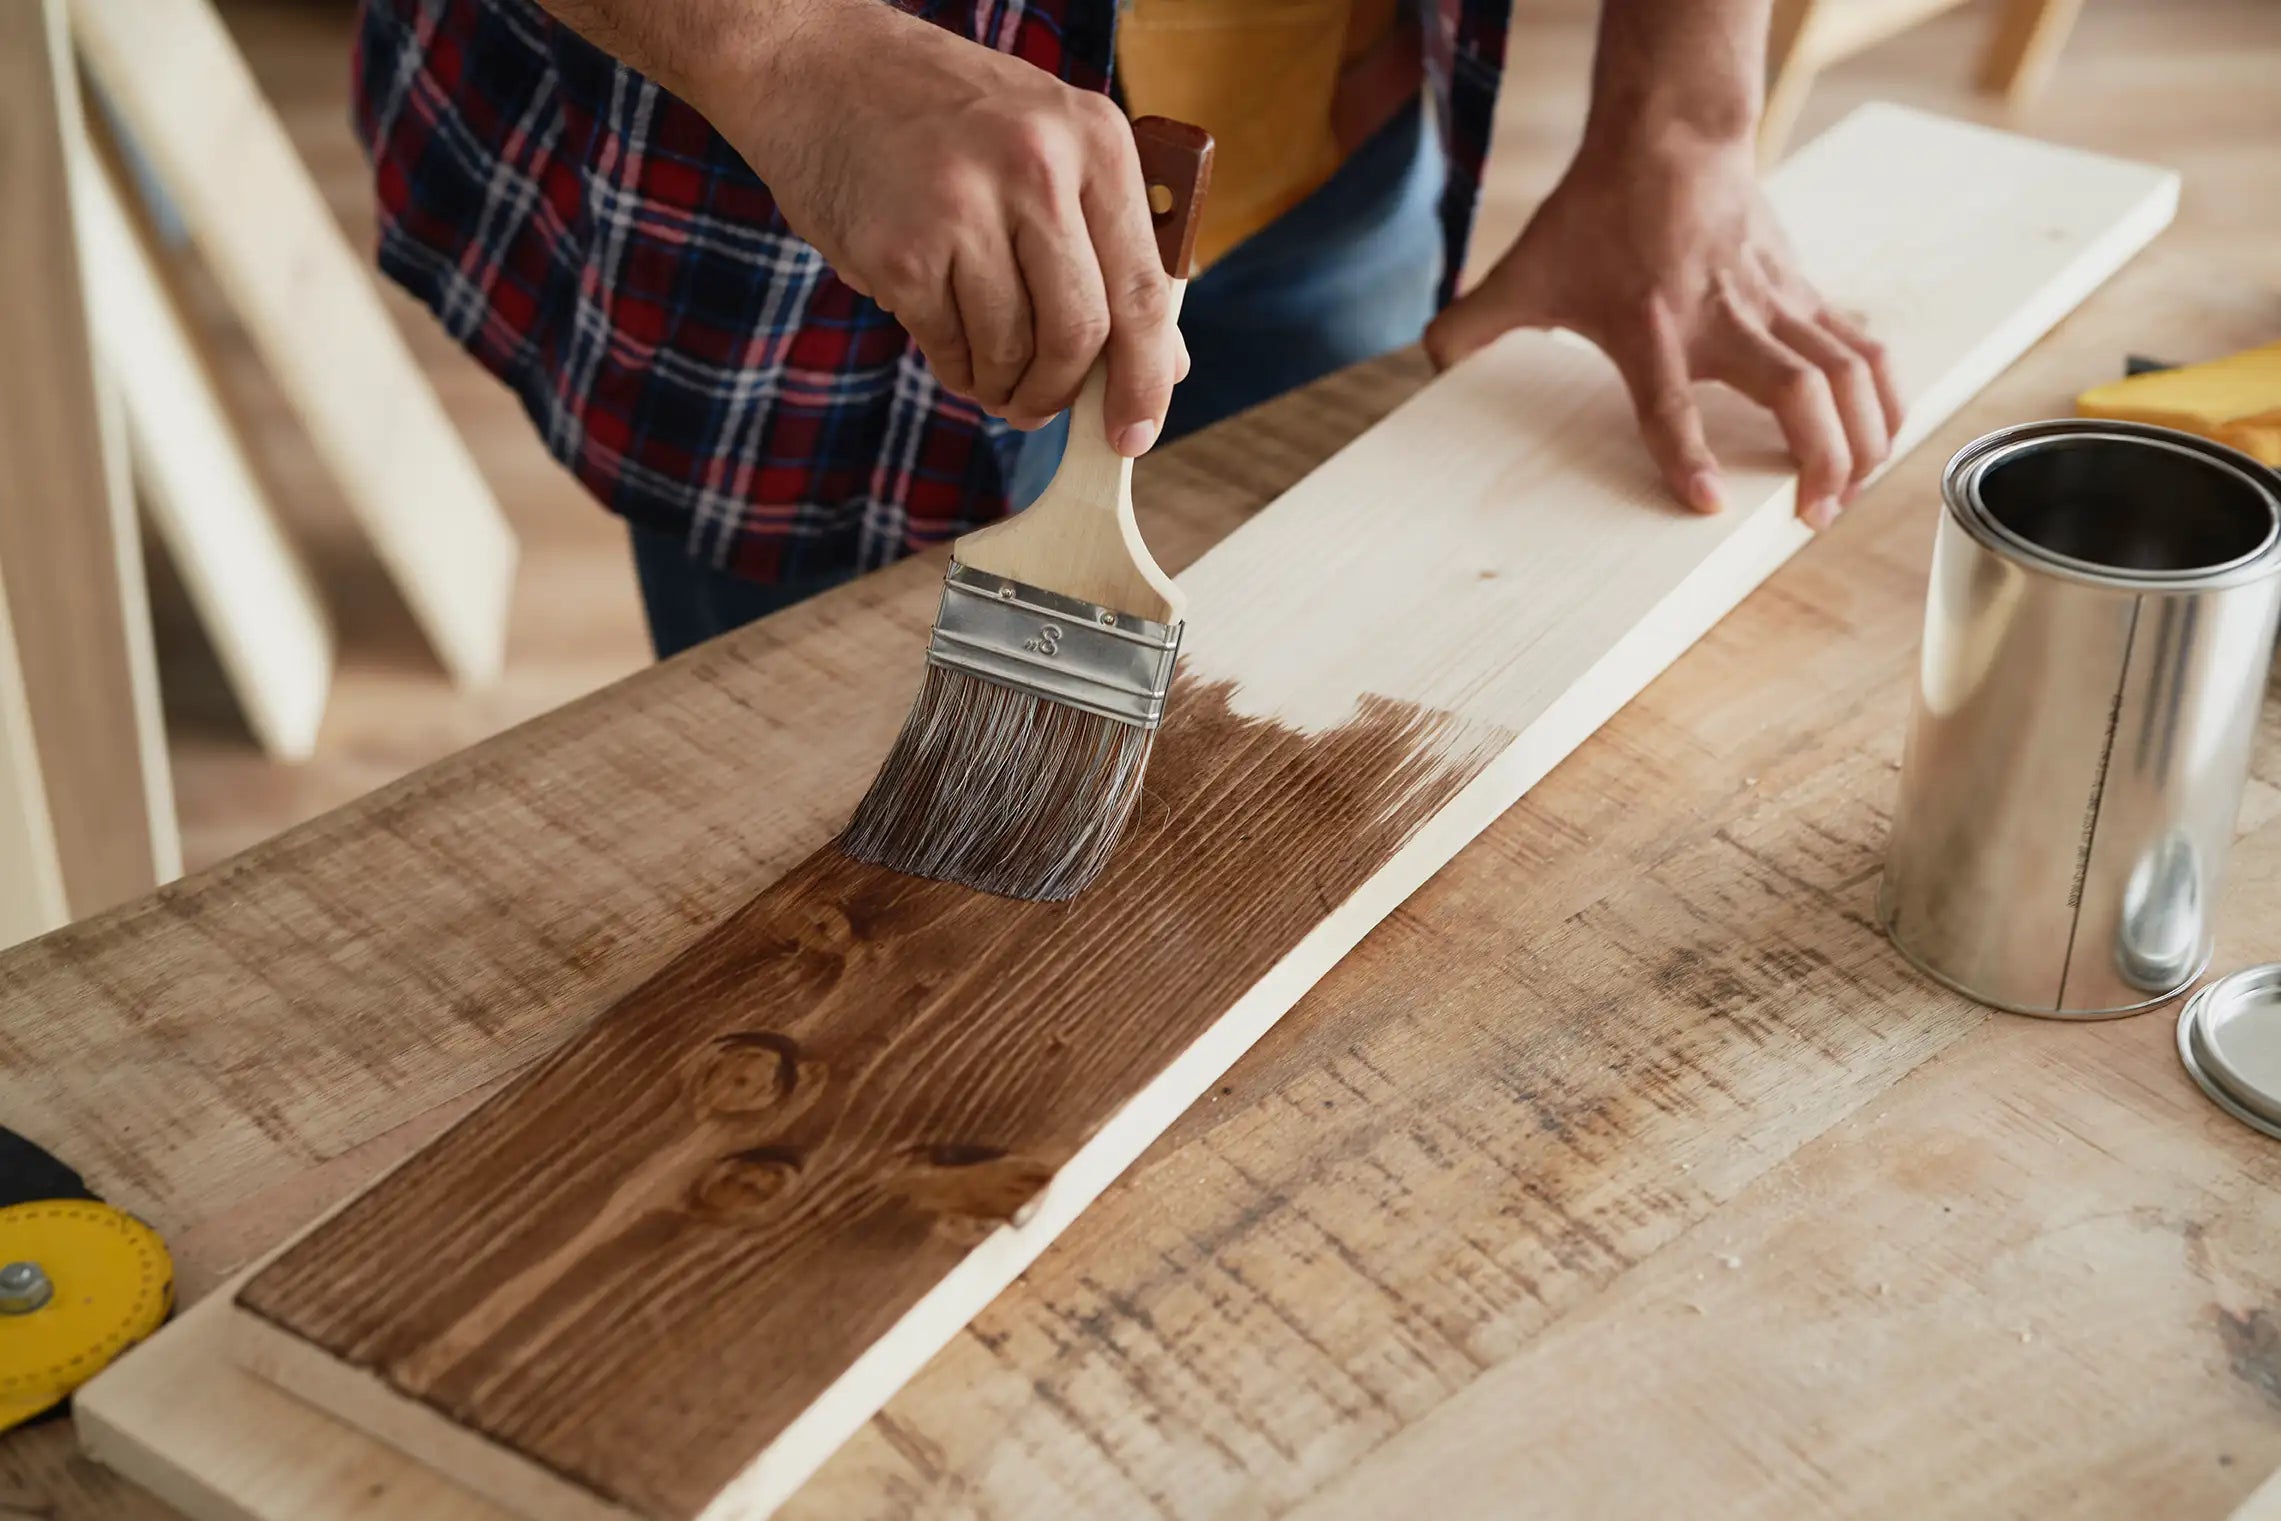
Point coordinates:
[(80, 1282)]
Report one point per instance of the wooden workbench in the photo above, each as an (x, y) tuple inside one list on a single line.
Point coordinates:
[(1624, 1170)]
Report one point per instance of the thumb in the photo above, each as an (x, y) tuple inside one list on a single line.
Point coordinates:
[(1472, 322), (1509, 296)]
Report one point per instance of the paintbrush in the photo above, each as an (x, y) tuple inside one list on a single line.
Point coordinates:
[(1021, 761)]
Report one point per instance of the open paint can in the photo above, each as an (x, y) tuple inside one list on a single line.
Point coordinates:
[(2097, 636)]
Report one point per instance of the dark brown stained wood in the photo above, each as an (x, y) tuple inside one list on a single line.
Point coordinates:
[(637, 1266)]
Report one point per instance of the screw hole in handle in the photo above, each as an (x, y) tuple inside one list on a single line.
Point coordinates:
[(1176, 164)]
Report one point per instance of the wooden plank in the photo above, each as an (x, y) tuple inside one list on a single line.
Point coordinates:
[(2264, 1505), (1805, 37), (2045, 1227), (303, 1469), (67, 532), (312, 309), (31, 889), (1791, 68), (1306, 734), (246, 579), (2024, 48), (514, 807), (1842, 28)]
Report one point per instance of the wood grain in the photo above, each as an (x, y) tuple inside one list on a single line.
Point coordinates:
[(68, 545), (811, 660), (1958, 1237), (1254, 1286), (1230, 907), (835, 1098)]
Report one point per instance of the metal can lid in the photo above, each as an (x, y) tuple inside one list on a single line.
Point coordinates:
[(2229, 1037)]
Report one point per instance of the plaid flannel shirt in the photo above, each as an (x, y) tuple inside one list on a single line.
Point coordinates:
[(591, 240)]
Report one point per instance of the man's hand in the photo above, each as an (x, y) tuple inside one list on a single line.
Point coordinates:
[(1658, 246), (998, 213)]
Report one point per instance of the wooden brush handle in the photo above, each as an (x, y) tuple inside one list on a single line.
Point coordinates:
[(1079, 538), (1176, 167), (1176, 164)]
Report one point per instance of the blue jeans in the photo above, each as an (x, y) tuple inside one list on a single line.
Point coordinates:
[(1346, 275)]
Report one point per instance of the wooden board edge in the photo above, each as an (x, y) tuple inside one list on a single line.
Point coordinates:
[(285, 1362), (185, 1371), (2264, 1502)]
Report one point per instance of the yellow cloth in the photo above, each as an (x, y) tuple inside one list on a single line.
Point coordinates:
[(1260, 76)]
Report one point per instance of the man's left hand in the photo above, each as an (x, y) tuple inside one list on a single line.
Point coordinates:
[(1668, 257)]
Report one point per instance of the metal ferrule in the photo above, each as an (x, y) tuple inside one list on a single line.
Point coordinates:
[(1033, 640)]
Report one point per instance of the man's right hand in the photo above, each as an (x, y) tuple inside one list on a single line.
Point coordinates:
[(998, 213)]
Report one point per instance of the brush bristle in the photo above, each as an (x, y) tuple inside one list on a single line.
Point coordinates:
[(1001, 790)]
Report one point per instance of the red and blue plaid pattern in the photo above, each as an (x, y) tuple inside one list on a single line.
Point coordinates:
[(591, 240)]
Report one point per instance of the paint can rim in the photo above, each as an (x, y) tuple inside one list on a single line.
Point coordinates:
[(2252, 990), (1968, 469)]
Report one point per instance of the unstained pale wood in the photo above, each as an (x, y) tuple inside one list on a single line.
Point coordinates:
[(1032, 1052), (2264, 1505), (1807, 36), (252, 592), (311, 306), (31, 888), (2025, 47), (68, 546)]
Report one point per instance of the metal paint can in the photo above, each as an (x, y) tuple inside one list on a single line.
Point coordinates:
[(2097, 636)]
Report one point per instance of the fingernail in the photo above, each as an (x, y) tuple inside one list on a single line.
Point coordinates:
[(1821, 512), (1703, 493), (1134, 441)]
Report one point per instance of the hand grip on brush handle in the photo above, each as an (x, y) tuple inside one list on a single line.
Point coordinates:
[(1079, 539), (1176, 166)]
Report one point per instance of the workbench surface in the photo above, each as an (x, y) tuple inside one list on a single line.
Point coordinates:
[(1623, 1170)]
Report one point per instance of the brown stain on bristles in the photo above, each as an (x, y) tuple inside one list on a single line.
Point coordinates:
[(1000, 789), (892, 1069)]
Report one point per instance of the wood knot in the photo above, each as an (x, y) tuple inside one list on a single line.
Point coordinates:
[(828, 927), (959, 1181), (751, 1071), (745, 1181)]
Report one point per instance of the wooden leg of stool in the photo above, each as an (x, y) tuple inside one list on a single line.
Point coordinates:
[(31, 885), (2029, 35), (1790, 69), (69, 549)]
